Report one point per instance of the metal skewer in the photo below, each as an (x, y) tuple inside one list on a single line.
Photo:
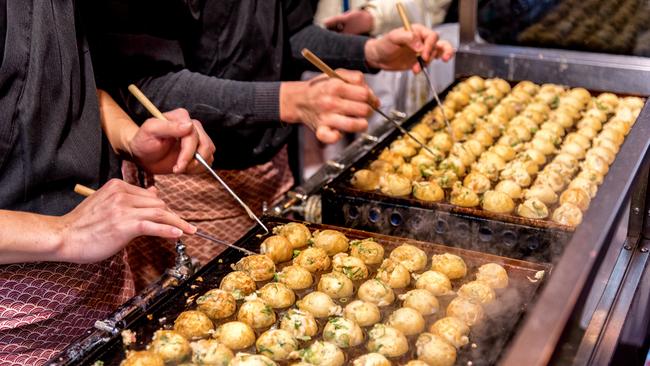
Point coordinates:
[(149, 106), (407, 25), (322, 66), (87, 191)]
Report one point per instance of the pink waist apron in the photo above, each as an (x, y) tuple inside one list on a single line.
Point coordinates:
[(46, 306), (201, 200)]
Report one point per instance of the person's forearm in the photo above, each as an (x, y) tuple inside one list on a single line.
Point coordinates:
[(236, 103), (337, 50), (117, 125), (28, 237)]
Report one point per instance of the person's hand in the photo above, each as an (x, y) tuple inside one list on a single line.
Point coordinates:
[(110, 218), (397, 50), (357, 21), (163, 147), (328, 105)]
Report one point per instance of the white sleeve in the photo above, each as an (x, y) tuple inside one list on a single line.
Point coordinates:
[(386, 18)]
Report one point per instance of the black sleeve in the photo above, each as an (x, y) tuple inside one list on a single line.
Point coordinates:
[(337, 50), (3, 28)]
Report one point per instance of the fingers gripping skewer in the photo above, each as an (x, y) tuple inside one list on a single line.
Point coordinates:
[(149, 106)]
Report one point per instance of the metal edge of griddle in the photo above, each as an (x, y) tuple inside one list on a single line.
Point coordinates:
[(544, 324)]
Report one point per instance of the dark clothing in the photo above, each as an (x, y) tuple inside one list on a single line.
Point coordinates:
[(235, 53), (50, 133)]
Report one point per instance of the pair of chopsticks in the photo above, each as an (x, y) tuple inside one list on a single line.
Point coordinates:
[(87, 191), (149, 106)]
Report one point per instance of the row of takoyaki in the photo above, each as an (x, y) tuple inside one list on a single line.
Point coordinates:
[(228, 319)]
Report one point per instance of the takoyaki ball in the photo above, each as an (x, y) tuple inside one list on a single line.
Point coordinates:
[(581, 94), (567, 214), (319, 304), (441, 141), (544, 146), (597, 114), (596, 163), (258, 266), (410, 171), (619, 126), (477, 182), (517, 174), (395, 185), (423, 130), (376, 292), (462, 153), (380, 167), (331, 240), (313, 259), (362, 312), (403, 148), (567, 160), (590, 122), (342, 332), (435, 282), (462, 196), (495, 201), (454, 164), (463, 87), (561, 169), (371, 359), (573, 102), (587, 132), (477, 83), (594, 177), (562, 119), (336, 285), (533, 156), (478, 108), (298, 234), (526, 86), (391, 157), (458, 97), (421, 300), (387, 340), (586, 185), (492, 126), (568, 110), (354, 268), (576, 196), (171, 346), (239, 284), (467, 310), (142, 358), (322, 354), (539, 108), (193, 324), (439, 115), (552, 179), (541, 192), (217, 304), (506, 153), (277, 295), (410, 256), (494, 275), (416, 363), (444, 178), (574, 150), (499, 84), (533, 208), (632, 102), (435, 350), (301, 324), (576, 138), (607, 143), (428, 191), (449, 264), (609, 99), (474, 146), (394, 274), (406, 320), (368, 250), (492, 158), (519, 132), (459, 128), (423, 161), (453, 330), (245, 359), (256, 313), (504, 110), (276, 344), (210, 352), (487, 169), (477, 291), (295, 277), (509, 187), (553, 127), (365, 180), (537, 117), (235, 335), (602, 152), (612, 135)]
